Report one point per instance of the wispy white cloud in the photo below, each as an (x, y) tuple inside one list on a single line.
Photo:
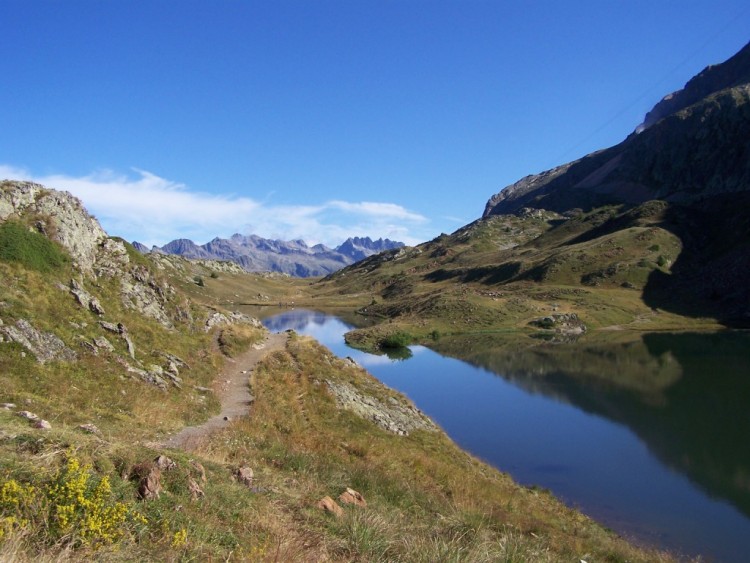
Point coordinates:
[(375, 209), (154, 210)]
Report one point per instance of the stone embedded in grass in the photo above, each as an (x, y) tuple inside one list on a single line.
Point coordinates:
[(327, 504), (104, 344), (149, 480), (199, 468), (131, 346), (244, 475), (164, 463), (195, 491), (350, 496), (44, 345), (399, 419), (111, 327), (42, 425), (28, 415), (85, 299), (90, 428), (7, 406), (566, 323)]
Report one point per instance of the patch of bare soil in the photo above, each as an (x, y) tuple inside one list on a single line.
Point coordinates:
[(232, 387)]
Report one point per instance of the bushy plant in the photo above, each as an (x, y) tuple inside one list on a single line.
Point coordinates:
[(396, 340), (75, 508), (17, 501)]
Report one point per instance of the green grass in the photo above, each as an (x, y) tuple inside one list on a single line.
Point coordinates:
[(31, 249), (501, 272)]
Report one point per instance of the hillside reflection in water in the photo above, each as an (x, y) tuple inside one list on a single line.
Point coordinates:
[(645, 432)]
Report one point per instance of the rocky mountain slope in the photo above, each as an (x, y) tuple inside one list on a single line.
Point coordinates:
[(257, 254), (662, 214)]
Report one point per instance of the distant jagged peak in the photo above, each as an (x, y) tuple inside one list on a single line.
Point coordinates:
[(184, 247), (358, 248), (295, 257), (142, 248), (367, 242)]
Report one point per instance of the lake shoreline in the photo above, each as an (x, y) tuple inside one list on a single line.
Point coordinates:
[(469, 351)]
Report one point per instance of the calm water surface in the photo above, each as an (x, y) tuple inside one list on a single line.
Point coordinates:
[(649, 434)]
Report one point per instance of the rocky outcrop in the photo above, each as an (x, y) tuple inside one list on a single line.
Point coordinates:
[(112, 258), (120, 330), (45, 346), (85, 299), (396, 417), (103, 344), (62, 217), (148, 295), (220, 319), (563, 323)]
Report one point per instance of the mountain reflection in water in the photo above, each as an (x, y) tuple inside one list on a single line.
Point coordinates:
[(685, 395)]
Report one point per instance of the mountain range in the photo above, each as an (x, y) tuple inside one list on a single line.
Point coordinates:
[(296, 258)]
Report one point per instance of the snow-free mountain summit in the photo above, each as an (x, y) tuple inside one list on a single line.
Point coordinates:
[(296, 258)]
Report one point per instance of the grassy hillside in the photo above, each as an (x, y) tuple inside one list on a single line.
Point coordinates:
[(503, 272), (81, 428)]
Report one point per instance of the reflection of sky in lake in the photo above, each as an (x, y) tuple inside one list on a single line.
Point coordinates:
[(587, 460)]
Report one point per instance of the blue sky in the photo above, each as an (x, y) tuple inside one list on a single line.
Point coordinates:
[(327, 119)]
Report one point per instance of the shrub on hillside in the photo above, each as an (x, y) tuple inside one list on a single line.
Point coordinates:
[(396, 340), (75, 508)]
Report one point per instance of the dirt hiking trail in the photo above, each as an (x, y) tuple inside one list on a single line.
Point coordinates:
[(233, 388)]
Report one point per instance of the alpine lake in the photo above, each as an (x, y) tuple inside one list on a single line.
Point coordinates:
[(648, 433)]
